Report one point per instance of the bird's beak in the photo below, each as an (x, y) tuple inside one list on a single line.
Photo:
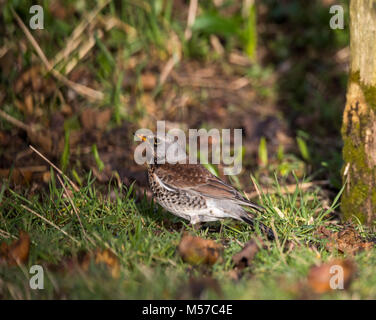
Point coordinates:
[(142, 137)]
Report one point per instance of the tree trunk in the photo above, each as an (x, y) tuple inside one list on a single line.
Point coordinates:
[(359, 118)]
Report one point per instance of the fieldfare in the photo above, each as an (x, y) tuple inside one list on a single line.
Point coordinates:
[(191, 192)]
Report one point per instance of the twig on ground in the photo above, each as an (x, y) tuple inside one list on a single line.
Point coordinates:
[(239, 243), (216, 44), (258, 193), (17, 123), (75, 39), (82, 52), (193, 4), (79, 88), (214, 83), (239, 83), (174, 59), (74, 186), (6, 234), (167, 69)]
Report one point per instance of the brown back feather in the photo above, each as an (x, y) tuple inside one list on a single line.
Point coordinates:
[(196, 178)]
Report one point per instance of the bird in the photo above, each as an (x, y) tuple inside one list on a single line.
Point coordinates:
[(193, 193)]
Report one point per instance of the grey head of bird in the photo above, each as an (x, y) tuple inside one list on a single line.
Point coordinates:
[(162, 149)]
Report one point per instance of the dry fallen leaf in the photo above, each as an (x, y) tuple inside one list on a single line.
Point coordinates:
[(109, 259), (83, 259), (61, 11), (102, 119), (17, 252), (94, 119), (46, 176), (29, 106), (18, 176), (148, 81), (35, 80), (103, 257), (88, 118), (321, 277), (41, 138), (149, 104), (347, 240), (195, 250), (244, 258), (66, 110)]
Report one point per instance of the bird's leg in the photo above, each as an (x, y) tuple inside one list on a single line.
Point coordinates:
[(196, 226), (195, 222), (221, 228)]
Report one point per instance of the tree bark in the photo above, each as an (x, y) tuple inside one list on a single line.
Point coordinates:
[(359, 118)]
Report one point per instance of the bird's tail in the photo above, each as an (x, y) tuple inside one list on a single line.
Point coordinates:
[(269, 232)]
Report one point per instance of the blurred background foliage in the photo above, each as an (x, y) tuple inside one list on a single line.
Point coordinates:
[(273, 68)]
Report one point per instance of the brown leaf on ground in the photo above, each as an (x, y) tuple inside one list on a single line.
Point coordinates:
[(88, 118), (94, 119), (61, 11), (27, 106), (28, 102), (245, 257), (20, 106), (46, 177), (195, 250), (102, 119), (66, 110), (105, 257), (17, 176), (17, 252), (7, 62), (83, 260), (4, 138), (347, 241), (326, 277), (148, 81), (41, 138), (150, 105), (34, 79), (70, 264), (108, 258), (22, 80)]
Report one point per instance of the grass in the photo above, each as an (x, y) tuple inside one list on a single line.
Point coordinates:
[(145, 238), (142, 235)]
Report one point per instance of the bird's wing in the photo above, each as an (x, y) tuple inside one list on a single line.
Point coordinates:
[(196, 178)]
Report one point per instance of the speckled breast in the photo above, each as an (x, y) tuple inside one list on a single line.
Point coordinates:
[(179, 202)]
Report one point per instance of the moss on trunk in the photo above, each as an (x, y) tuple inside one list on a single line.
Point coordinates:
[(359, 152), (359, 118)]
